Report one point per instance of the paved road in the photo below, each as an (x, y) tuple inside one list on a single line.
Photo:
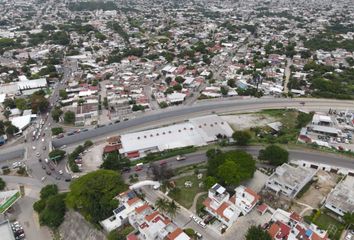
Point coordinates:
[(180, 113), (294, 154)]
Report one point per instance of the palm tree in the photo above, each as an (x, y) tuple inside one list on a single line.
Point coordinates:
[(162, 204), (173, 209)]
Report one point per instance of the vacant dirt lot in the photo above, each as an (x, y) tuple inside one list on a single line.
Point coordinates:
[(92, 159), (316, 193), (246, 121)]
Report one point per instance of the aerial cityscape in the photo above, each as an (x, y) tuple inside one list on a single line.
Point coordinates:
[(176, 120)]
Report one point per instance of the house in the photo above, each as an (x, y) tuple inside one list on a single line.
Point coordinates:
[(151, 224), (289, 180), (341, 199), (290, 226), (128, 202), (227, 209)]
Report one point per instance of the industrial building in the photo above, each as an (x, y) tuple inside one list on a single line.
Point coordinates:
[(198, 131)]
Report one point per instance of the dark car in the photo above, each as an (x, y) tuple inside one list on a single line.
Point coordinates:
[(71, 133), (44, 167), (67, 179), (39, 160), (126, 169), (48, 172), (117, 121)]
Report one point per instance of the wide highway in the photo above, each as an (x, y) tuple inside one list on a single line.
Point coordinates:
[(181, 113)]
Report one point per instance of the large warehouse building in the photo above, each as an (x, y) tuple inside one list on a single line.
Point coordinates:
[(196, 132)]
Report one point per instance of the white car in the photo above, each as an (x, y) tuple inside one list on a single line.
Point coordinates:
[(34, 148), (61, 172)]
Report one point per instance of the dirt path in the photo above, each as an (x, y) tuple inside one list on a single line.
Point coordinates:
[(192, 209)]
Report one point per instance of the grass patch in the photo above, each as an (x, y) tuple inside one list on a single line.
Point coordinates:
[(327, 222), (199, 207), (289, 130), (185, 195)]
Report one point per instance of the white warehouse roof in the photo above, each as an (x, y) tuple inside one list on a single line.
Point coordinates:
[(197, 132)]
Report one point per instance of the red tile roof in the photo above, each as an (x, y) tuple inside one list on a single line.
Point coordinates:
[(273, 230), (152, 216), (173, 235), (262, 208), (296, 217), (132, 237), (284, 230), (133, 200), (221, 209), (142, 208)]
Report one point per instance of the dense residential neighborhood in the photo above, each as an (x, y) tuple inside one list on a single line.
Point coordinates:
[(163, 120)]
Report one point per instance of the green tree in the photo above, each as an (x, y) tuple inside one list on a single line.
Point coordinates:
[(56, 113), (39, 205), (63, 94), (2, 127), (224, 90), (274, 154), (9, 103), (349, 219), (163, 105), (228, 172), (53, 213), (303, 119), (230, 167), (2, 184), (93, 194), (57, 155), (57, 130), (162, 204), (179, 79), (242, 138), (177, 87), (38, 102), (257, 233), (168, 80), (7, 114), (173, 209), (49, 190), (69, 117), (231, 83), (21, 103), (210, 181), (113, 161), (11, 130), (88, 143)]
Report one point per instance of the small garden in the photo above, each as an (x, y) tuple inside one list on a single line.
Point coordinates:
[(186, 188), (326, 222)]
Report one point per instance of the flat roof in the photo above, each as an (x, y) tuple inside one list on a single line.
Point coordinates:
[(291, 176), (325, 129), (197, 132), (342, 196)]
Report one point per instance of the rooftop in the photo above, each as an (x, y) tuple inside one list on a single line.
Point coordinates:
[(342, 196)]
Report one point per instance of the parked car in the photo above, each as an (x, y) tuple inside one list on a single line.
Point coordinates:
[(48, 172), (126, 169)]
